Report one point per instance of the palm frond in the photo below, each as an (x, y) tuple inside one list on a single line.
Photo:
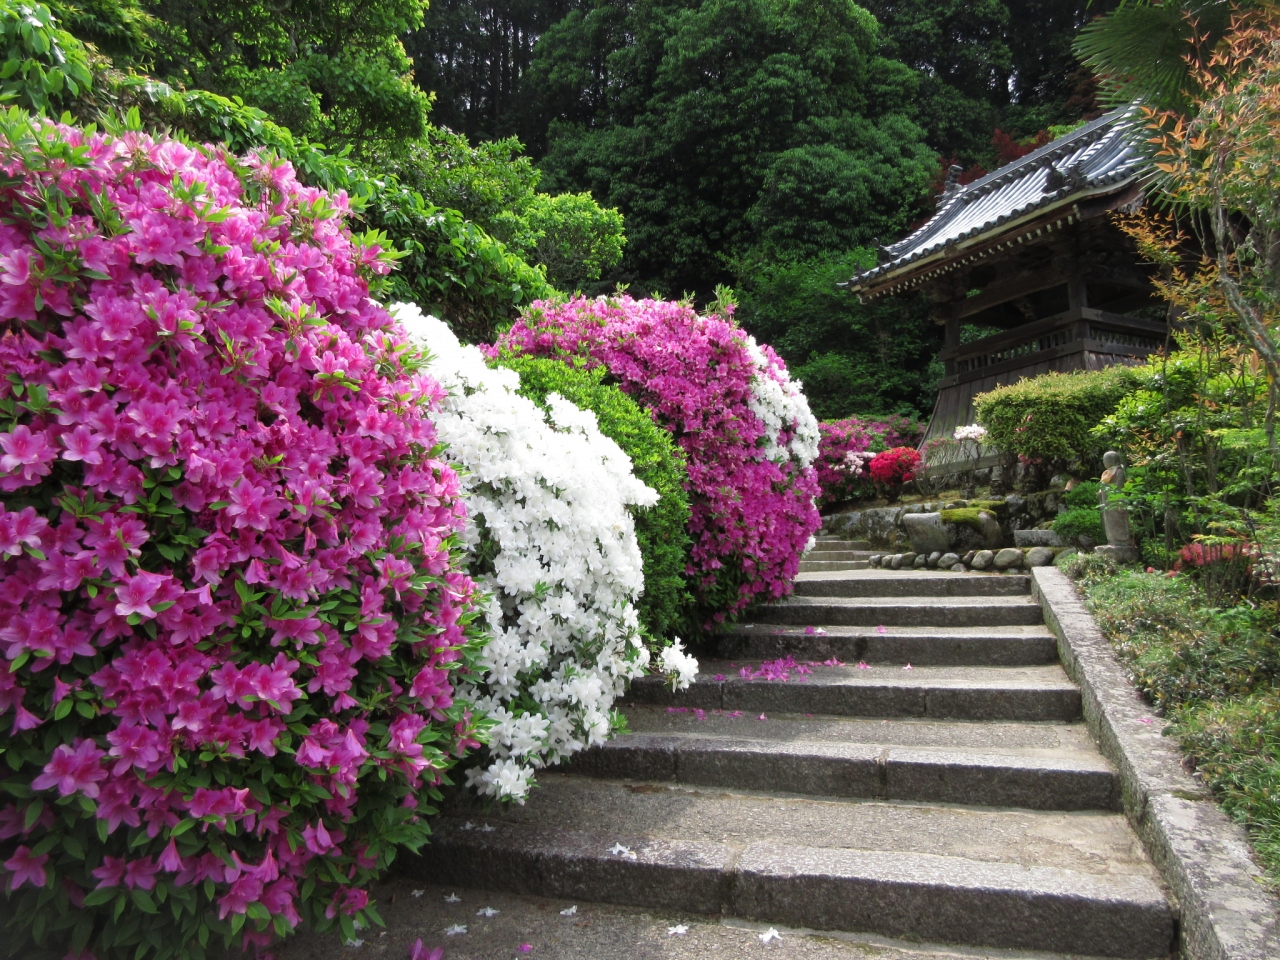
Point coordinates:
[(1139, 51)]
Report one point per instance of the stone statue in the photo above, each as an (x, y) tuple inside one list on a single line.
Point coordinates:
[(1115, 520)]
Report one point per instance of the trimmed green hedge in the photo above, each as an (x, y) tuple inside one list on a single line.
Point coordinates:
[(663, 529), (1049, 418)]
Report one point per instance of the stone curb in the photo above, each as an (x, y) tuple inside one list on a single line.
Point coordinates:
[(1226, 914)]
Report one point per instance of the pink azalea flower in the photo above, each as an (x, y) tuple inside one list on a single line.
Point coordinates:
[(418, 952), (136, 594), (25, 867), (75, 769)]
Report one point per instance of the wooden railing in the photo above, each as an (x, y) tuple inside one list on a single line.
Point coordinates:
[(1054, 336)]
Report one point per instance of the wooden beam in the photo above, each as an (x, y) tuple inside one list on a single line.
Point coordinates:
[(1002, 292)]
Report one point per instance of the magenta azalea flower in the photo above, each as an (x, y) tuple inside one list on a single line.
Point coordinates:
[(752, 504), (26, 867), (75, 769), (230, 562)]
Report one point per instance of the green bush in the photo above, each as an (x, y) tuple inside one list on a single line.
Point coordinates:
[(663, 529), (1214, 673), (1080, 522), (43, 64), (1050, 418)]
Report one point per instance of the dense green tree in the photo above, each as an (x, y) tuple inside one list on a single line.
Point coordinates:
[(333, 70), (871, 359), (492, 184), (731, 126)]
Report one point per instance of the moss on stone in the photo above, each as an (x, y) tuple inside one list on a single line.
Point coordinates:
[(966, 516)]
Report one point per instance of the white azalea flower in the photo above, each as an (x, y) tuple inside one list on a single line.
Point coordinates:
[(553, 541)]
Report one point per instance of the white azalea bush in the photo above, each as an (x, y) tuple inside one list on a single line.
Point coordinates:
[(550, 536)]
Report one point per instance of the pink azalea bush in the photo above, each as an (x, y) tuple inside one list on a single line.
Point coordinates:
[(846, 449), (230, 596), (743, 425)]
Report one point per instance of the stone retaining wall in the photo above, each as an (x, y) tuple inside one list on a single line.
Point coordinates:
[(883, 527)]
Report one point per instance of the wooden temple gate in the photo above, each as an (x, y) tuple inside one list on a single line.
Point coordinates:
[(1028, 272)]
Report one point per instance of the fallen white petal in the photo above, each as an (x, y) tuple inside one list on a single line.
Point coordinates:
[(455, 929), (486, 912), (679, 930), (770, 934), (468, 825), (569, 911), (451, 898), (619, 850), (355, 944), (487, 828), (416, 893)]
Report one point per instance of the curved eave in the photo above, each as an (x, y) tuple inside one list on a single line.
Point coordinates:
[(1014, 231)]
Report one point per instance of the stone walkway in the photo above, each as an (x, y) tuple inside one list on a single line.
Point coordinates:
[(917, 770)]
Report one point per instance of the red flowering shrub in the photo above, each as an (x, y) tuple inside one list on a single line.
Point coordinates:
[(744, 426), (892, 468), (230, 597)]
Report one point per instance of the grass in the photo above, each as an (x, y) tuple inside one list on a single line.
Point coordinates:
[(1214, 675)]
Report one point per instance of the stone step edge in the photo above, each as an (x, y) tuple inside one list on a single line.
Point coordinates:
[(926, 896), (1226, 912), (856, 770), (869, 698), (890, 648)]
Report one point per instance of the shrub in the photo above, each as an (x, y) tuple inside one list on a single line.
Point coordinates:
[(892, 468), (44, 65), (743, 424), (1079, 522), (230, 582), (1049, 418), (662, 530), (845, 449), (550, 533)]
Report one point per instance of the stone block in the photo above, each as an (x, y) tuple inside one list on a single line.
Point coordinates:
[(921, 561), (896, 562), (982, 560), (1038, 557), (958, 568), (1036, 538), (874, 559), (1008, 558), (909, 560), (947, 561), (935, 557), (926, 532)]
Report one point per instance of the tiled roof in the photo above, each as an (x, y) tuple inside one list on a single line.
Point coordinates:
[(1097, 158)]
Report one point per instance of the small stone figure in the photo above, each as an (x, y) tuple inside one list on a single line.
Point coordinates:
[(1115, 520)]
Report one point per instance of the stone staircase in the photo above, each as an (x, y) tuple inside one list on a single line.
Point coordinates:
[(832, 553), (917, 769)]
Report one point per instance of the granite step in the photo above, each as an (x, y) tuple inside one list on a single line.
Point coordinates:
[(910, 583), (1069, 882), (915, 611), (822, 544), (1030, 693), (921, 646), (1036, 766), (498, 925), (835, 556), (826, 566)]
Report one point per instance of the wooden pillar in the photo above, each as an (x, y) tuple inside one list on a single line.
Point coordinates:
[(951, 338)]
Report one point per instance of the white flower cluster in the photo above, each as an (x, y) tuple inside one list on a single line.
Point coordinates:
[(780, 402), (552, 540), (974, 432)]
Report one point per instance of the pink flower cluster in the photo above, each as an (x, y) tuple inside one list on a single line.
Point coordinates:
[(231, 599), (839, 481), (751, 517)]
